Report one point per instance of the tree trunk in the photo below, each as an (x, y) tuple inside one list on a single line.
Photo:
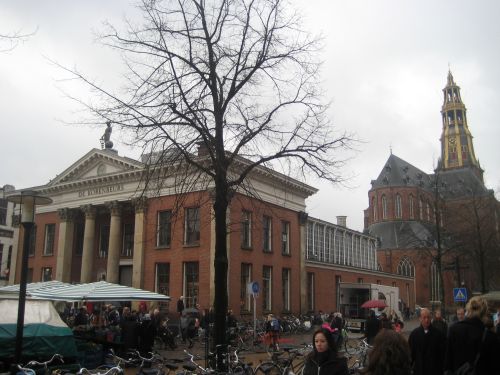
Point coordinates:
[(220, 267)]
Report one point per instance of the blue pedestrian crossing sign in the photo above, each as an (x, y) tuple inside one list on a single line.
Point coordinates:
[(459, 294)]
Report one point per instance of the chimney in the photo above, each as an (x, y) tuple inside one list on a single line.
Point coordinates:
[(202, 149), (342, 221)]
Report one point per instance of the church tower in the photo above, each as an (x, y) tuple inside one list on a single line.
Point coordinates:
[(457, 150)]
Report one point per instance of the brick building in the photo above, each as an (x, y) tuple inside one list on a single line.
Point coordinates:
[(411, 213), (103, 224)]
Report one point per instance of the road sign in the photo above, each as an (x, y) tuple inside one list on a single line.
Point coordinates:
[(459, 294), (253, 287)]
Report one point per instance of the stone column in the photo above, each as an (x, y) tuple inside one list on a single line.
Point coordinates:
[(140, 205), (88, 244), (65, 245), (112, 271)]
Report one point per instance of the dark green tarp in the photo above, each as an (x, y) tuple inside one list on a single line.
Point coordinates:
[(44, 332), (39, 341)]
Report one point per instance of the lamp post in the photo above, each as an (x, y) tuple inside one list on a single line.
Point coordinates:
[(28, 199)]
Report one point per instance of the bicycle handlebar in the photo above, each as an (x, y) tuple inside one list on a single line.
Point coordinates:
[(36, 363)]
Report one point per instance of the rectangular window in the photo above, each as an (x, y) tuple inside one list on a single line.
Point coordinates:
[(285, 238), (3, 211), (285, 283), (46, 274), (191, 284), (246, 229), (360, 280), (310, 292), (128, 240), (163, 278), (78, 241), (246, 277), (192, 226), (164, 229), (103, 241), (267, 273), (50, 232), (267, 233), (32, 244)]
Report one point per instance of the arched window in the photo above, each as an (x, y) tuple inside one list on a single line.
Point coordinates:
[(399, 211), (435, 284), (384, 207), (410, 206), (379, 267), (421, 208), (406, 267), (374, 209), (428, 210)]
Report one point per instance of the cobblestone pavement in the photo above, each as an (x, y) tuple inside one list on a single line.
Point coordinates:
[(259, 355)]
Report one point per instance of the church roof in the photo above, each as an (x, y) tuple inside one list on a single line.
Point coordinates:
[(460, 183), (398, 172), (402, 234)]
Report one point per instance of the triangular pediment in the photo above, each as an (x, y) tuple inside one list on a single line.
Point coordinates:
[(96, 163)]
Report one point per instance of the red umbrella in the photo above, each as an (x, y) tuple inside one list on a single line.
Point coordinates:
[(374, 303)]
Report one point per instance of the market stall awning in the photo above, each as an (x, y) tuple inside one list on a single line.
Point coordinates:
[(97, 291), (32, 287)]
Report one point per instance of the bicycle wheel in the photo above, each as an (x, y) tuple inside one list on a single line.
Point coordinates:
[(268, 368), (242, 370), (351, 346)]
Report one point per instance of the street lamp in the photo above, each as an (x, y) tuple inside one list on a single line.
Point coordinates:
[(28, 199)]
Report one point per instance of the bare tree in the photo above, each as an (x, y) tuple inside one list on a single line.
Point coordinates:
[(238, 78), (11, 40), (475, 229)]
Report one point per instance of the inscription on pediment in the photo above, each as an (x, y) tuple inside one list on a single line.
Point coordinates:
[(100, 190)]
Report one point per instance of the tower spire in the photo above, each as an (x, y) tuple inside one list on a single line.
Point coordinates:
[(457, 149)]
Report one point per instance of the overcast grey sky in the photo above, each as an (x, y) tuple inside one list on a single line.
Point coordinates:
[(385, 64)]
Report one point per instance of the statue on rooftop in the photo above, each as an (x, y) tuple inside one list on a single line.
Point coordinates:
[(106, 137)]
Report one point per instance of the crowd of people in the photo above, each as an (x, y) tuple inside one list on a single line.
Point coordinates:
[(124, 328), (435, 347), (468, 345)]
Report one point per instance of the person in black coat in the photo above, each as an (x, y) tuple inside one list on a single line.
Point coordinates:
[(147, 333), (427, 346), (129, 331), (464, 341), (324, 359), (372, 326)]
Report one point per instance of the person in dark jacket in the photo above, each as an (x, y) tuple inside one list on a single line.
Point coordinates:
[(385, 322), (324, 359), (390, 355), (464, 341), (439, 323), (427, 347), (129, 330), (372, 326), (147, 333)]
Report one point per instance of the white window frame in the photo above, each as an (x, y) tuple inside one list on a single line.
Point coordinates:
[(50, 239), (267, 288), (286, 274), (192, 226), (160, 227), (267, 234), (246, 229)]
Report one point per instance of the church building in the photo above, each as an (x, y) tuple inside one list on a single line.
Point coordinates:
[(441, 228)]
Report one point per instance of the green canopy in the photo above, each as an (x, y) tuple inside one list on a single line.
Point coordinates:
[(44, 331)]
